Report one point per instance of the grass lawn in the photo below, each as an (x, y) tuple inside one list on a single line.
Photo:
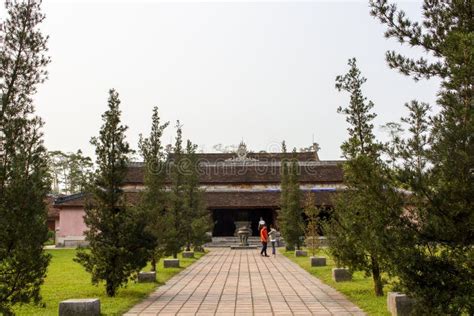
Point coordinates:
[(67, 279), (360, 290)]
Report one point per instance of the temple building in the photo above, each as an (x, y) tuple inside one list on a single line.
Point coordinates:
[(239, 189)]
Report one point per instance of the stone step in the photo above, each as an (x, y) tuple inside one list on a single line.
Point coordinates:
[(229, 241)]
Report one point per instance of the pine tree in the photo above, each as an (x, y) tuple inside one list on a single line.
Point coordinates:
[(153, 200), (312, 216), (80, 172), (367, 210), (199, 220), (190, 191), (70, 172), (294, 203), (176, 221), (201, 225), (23, 159), (284, 175), (290, 219), (437, 266), (116, 232), (58, 166)]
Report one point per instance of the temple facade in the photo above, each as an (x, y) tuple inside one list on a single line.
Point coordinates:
[(239, 189)]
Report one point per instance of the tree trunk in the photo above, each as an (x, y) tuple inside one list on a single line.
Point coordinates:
[(153, 264), (110, 288), (175, 255), (376, 275)]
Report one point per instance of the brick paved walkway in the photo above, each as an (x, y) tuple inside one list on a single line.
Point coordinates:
[(230, 282)]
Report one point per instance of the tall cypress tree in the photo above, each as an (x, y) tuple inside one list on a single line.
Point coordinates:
[(154, 198), (176, 221), (312, 223), (290, 217), (23, 158), (437, 266), (284, 175), (369, 208), (294, 203), (116, 231), (199, 219), (284, 178)]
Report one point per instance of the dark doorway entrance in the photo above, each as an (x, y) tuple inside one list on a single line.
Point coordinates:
[(225, 220)]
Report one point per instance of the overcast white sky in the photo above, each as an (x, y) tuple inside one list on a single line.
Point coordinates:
[(259, 72)]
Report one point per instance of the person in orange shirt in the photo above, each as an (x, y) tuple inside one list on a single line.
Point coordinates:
[(264, 240)]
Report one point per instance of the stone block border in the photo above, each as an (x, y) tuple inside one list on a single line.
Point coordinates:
[(188, 254), (399, 304), (301, 253), (341, 275), (80, 307), (318, 261), (146, 277), (171, 263)]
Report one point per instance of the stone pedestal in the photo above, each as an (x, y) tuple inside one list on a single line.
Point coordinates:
[(188, 254), (80, 307), (171, 263), (398, 304), (301, 253), (146, 277), (239, 224), (318, 261), (341, 275)]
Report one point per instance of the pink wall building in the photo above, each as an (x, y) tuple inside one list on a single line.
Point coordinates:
[(71, 227)]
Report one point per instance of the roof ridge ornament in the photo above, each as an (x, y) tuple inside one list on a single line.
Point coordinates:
[(316, 147), (241, 153)]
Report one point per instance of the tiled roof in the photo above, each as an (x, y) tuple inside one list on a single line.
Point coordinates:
[(257, 168), (253, 172), (216, 200), (225, 200)]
